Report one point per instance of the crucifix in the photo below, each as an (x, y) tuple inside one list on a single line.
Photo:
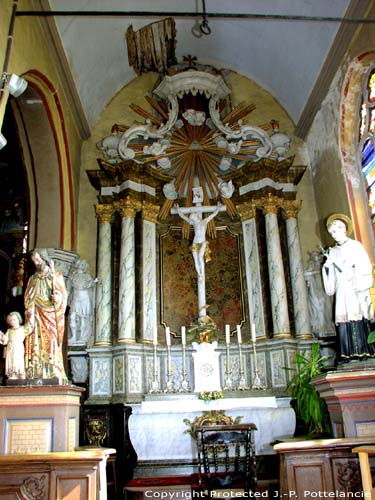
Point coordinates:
[(194, 217)]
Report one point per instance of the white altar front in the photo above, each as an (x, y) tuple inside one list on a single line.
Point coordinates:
[(159, 428)]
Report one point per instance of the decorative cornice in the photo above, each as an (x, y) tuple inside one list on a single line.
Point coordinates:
[(127, 207), (246, 211), (150, 212), (104, 213), (290, 208)]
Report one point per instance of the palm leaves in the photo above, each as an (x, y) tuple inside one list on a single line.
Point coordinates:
[(308, 404)]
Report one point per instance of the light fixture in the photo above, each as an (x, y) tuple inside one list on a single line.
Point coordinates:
[(3, 141), (16, 85)]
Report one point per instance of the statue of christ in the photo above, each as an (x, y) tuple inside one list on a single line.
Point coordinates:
[(194, 217)]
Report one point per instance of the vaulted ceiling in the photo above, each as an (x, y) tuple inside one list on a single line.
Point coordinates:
[(290, 47)]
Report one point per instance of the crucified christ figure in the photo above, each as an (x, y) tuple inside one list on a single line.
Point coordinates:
[(199, 248)]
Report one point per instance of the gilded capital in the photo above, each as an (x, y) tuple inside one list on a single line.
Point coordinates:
[(127, 207), (150, 212), (291, 208), (270, 204), (246, 211), (104, 213)]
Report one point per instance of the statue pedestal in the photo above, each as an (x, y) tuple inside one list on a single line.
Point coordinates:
[(206, 367), (39, 419), (350, 397)]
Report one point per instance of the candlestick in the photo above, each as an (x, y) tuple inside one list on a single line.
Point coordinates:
[(228, 370), (183, 335), (242, 383), (184, 383), (156, 335), (253, 333), (227, 334), (239, 337), (168, 335), (257, 382), (155, 387), (169, 387)]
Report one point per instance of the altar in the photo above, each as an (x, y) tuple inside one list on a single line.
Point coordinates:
[(160, 428)]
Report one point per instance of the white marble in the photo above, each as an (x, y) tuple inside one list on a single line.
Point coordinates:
[(299, 290), (128, 184), (126, 323), (253, 278), (103, 290), (158, 429), (192, 403), (286, 187), (279, 300), (100, 376), (149, 280)]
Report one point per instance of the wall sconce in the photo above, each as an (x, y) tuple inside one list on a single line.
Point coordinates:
[(15, 84), (3, 141)]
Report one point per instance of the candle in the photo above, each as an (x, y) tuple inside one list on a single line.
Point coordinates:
[(168, 335), (239, 338), (183, 335), (156, 335), (227, 334), (253, 333)]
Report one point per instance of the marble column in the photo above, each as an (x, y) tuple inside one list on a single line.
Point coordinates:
[(247, 213), (103, 324), (149, 216), (126, 307), (290, 211), (279, 298)]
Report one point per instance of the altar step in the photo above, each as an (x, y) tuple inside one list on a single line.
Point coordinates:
[(179, 488), (150, 482)]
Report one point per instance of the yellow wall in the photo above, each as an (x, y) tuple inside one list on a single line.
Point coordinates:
[(30, 52)]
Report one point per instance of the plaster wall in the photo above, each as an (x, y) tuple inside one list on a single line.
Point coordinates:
[(337, 180), (326, 168)]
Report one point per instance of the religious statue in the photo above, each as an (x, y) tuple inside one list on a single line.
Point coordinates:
[(81, 300), (199, 248), (347, 274), (320, 304), (45, 303), (14, 339)]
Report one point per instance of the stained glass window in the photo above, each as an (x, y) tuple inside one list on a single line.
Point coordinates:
[(367, 138)]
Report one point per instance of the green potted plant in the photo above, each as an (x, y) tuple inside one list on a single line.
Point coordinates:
[(311, 410)]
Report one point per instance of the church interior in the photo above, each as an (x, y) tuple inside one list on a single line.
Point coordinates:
[(179, 166)]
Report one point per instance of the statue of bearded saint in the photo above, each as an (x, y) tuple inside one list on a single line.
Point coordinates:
[(45, 303)]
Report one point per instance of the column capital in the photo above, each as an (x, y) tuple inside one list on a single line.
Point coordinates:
[(127, 207), (290, 208), (270, 204), (150, 211), (104, 213), (246, 210)]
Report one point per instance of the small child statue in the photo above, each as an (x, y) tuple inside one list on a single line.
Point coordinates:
[(14, 340)]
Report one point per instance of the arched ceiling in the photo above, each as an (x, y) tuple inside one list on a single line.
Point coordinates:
[(287, 46)]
